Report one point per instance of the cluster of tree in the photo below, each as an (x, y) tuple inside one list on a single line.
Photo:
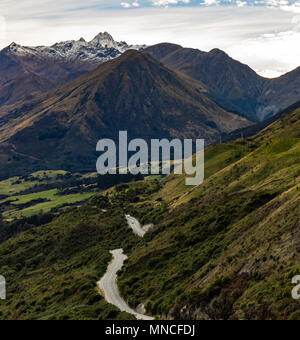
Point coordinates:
[(10, 229), (76, 190), (61, 185), (108, 181)]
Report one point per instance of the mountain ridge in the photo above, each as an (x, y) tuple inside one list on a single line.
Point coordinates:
[(230, 83), (101, 48)]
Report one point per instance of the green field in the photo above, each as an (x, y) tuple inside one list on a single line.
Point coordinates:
[(9, 186), (54, 202), (29, 191)]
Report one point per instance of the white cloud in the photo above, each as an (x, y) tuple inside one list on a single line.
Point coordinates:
[(169, 2), (2, 30), (241, 3), (2, 26), (271, 55), (130, 5), (295, 8), (125, 4), (210, 2), (286, 5)]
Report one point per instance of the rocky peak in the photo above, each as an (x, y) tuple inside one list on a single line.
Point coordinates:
[(103, 39), (218, 52), (103, 36), (15, 49)]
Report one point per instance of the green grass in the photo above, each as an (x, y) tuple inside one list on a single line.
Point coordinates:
[(54, 202), (56, 266), (8, 187)]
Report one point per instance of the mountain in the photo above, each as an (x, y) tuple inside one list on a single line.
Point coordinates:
[(280, 93), (16, 61), (102, 48), (53, 65), (133, 92), (226, 249), (230, 83)]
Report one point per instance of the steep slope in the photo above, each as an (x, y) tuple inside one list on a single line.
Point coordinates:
[(230, 83), (280, 93), (24, 87), (227, 249), (133, 92)]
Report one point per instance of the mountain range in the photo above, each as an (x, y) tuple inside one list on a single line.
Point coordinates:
[(133, 92), (233, 85), (53, 65), (57, 102)]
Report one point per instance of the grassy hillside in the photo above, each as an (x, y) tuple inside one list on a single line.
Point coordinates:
[(230, 247), (52, 270), (225, 249)]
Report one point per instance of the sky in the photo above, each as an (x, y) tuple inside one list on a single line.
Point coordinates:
[(265, 34)]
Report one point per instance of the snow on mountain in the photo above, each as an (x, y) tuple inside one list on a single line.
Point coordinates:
[(102, 48)]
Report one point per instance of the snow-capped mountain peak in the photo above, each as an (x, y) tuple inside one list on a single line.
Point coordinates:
[(16, 49), (105, 40), (102, 38), (102, 48)]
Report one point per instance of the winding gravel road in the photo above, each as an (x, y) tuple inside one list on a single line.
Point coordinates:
[(108, 285), (135, 225)]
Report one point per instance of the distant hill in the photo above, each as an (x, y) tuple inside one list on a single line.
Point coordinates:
[(24, 87), (230, 83)]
